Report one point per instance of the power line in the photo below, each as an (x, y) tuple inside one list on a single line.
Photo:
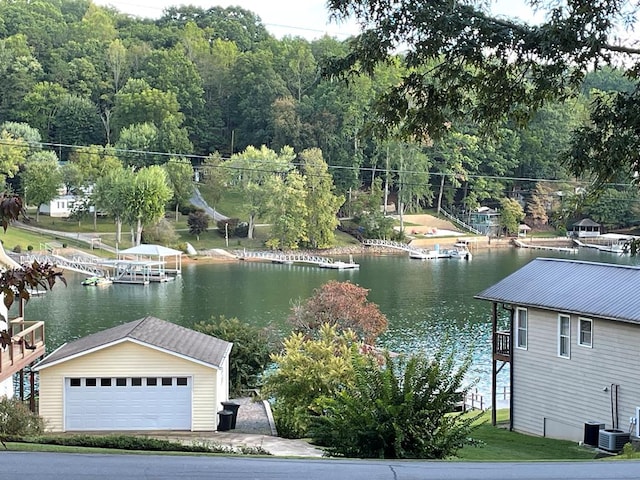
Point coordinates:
[(131, 153)]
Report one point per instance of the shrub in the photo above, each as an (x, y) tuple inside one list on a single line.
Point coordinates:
[(307, 370), (30, 248), (400, 409), (17, 419), (242, 230), (229, 225), (251, 352), (17, 249), (64, 245), (163, 233)]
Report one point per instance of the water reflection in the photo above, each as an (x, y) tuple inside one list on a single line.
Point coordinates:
[(428, 303)]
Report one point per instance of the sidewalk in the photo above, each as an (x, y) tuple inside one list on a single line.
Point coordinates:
[(254, 428)]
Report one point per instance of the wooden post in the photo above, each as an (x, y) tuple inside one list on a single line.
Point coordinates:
[(32, 388), (21, 388)]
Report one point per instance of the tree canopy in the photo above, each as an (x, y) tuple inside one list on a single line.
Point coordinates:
[(464, 63)]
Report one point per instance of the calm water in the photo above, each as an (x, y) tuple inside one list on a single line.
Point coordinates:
[(428, 303)]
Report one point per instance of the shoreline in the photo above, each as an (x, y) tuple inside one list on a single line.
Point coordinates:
[(475, 244)]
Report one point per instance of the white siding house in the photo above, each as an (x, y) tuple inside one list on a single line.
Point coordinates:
[(572, 346), (144, 375), (59, 207)]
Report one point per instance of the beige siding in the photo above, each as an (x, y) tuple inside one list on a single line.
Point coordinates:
[(131, 360), (555, 396)]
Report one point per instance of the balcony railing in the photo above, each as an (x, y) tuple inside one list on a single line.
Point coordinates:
[(503, 346), (27, 344)]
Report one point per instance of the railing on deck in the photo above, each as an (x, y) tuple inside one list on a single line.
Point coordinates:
[(503, 345), (27, 344)]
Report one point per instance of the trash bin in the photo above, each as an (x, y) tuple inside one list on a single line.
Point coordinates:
[(233, 408), (591, 433), (224, 420)]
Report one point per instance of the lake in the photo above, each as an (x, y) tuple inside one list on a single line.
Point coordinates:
[(428, 303)]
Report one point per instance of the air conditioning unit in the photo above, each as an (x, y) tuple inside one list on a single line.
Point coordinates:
[(612, 440)]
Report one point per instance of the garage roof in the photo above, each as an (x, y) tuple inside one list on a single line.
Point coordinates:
[(601, 290), (152, 332)]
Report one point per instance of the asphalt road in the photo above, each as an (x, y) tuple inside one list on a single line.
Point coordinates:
[(45, 466)]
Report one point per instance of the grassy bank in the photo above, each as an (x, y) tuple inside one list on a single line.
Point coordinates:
[(499, 444)]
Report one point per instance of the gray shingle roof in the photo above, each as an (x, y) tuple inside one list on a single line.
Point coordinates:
[(594, 289), (153, 332)]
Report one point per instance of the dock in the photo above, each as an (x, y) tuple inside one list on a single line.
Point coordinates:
[(296, 259), (521, 244)]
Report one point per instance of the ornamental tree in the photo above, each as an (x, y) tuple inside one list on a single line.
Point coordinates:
[(343, 305)]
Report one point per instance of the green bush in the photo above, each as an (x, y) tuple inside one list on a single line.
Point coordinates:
[(17, 419), (17, 249), (401, 409), (252, 348), (30, 248)]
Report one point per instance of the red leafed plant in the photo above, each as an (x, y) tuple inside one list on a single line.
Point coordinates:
[(344, 305)]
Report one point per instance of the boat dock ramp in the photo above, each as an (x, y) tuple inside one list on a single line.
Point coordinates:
[(521, 244)]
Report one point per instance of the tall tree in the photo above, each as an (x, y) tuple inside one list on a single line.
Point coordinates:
[(180, 177), (249, 172), (511, 214), (321, 201), (111, 195), (41, 179), (287, 209), (145, 200)]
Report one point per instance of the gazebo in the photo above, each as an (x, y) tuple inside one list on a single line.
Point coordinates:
[(523, 228), (156, 253), (586, 228)]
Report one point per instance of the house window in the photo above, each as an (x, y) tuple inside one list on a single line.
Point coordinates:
[(585, 332), (152, 382), (181, 381), (105, 382), (136, 382), (522, 325), (75, 382), (121, 382), (167, 381), (564, 336), (90, 382)]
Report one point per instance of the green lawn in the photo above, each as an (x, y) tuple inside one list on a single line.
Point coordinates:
[(498, 443)]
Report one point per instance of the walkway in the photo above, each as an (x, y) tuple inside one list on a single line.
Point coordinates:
[(254, 428)]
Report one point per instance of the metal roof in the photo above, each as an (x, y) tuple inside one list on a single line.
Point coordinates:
[(593, 289), (149, 331)]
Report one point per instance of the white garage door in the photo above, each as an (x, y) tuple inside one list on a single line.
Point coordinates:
[(132, 403)]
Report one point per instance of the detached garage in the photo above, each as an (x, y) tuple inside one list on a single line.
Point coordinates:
[(144, 375)]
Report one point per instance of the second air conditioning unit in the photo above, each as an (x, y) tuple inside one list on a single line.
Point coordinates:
[(612, 440)]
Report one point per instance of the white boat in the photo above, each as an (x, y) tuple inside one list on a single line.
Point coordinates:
[(460, 251), (427, 254)]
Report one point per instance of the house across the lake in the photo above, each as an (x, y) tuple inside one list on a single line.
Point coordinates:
[(148, 374), (571, 343)]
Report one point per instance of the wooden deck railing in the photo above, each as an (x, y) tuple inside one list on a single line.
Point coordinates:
[(27, 344), (503, 346)]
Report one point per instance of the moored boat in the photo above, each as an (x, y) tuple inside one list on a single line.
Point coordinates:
[(96, 281)]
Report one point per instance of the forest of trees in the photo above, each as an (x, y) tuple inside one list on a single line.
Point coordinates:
[(208, 83)]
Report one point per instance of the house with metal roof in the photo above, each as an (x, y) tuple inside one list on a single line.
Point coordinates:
[(569, 331), (148, 374)]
